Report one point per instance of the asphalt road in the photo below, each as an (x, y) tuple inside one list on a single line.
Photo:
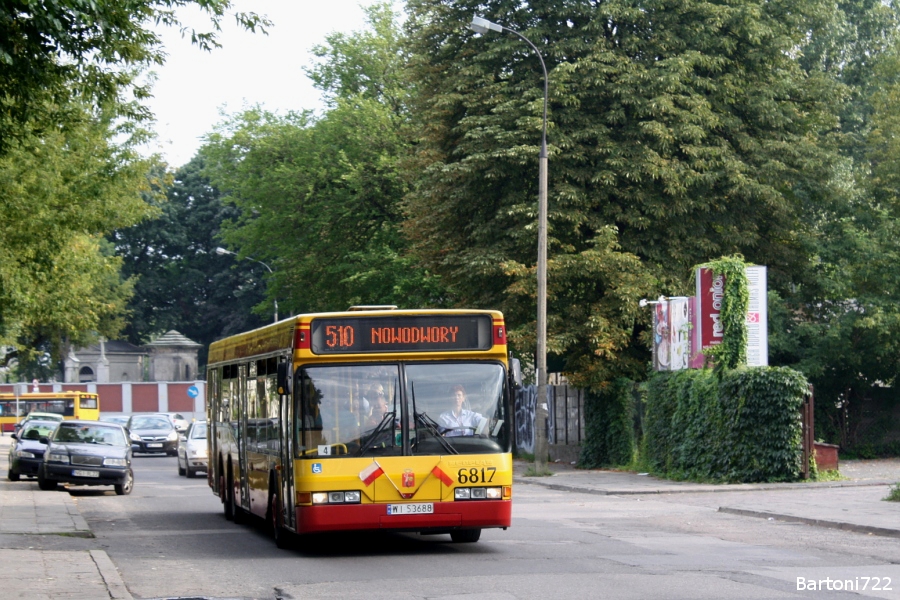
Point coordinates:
[(169, 540)]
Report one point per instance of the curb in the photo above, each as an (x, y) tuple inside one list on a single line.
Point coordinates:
[(814, 522), (110, 575), (562, 487)]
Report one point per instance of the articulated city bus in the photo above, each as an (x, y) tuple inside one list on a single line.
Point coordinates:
[(370, 419), (71, 405)]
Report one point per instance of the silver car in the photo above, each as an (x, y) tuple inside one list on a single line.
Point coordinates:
[(192, 450)]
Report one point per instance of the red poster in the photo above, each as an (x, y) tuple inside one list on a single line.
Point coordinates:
[(707, 325)]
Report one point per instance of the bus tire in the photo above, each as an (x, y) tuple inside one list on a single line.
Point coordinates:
[(274, 518), (226, 501), (237, 513), (465, 536)]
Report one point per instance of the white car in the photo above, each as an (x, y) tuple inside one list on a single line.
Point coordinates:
[(192, 450), (178, 420)]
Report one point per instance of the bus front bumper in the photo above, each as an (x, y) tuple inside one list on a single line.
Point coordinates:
[(447, 516)]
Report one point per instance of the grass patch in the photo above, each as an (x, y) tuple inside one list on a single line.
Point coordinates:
[(832, 475), (532, 472), (894, 494)]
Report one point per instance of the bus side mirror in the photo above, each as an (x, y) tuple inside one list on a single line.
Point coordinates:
[(515, 370), (284, 379)]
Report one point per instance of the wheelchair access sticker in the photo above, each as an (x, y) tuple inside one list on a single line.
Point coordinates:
[(317, 467)]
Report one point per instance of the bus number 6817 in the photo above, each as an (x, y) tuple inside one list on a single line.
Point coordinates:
[(476, 475)]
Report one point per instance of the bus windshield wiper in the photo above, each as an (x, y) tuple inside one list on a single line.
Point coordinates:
[(429, 424), (388, 416)]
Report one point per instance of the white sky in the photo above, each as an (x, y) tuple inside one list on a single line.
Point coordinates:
[(248, 69)]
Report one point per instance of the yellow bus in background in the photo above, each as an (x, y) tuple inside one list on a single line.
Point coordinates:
[(71, 405), (370, 419)]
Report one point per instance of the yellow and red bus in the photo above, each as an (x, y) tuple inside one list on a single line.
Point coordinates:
[(71, 405), (297, 435)]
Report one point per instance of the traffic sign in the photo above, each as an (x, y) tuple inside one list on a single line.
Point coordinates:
[(193, 392)]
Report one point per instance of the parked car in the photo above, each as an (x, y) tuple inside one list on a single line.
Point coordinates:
[(152, 433), (117, 419), (26, 452), (192, 450), (178, 420), (43, 416), (87, 453)]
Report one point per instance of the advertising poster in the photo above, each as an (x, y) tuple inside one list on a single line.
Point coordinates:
[(757, 318), (661, 336), (679, 333), (708, 329)]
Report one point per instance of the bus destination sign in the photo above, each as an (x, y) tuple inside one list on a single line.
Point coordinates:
[(422, 333)]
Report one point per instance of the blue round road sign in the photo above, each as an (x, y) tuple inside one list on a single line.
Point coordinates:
[(193, 392)]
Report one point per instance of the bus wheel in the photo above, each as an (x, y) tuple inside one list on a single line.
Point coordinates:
[(464, 536), (274, 518), (237, 513), (226, 500)]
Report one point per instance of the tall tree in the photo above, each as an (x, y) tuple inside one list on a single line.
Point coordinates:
[(59, 194), (679, 132), (52, 53), (320, 197), (181, 282)]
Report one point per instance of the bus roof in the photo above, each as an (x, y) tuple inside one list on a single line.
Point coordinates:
[(279, 336)]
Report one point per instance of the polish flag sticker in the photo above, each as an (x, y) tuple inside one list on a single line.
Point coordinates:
[(371, 473)]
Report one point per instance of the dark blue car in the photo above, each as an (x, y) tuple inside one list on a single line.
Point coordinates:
[(88, 453), (26, 453)]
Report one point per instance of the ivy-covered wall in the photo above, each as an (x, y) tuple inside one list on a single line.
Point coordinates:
[(608, 430), (740, 425)]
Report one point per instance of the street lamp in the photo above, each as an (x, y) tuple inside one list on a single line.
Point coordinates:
[(483, 26), (222, 251)]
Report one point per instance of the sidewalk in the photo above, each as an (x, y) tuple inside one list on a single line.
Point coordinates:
[(45, 574), (854, 504)]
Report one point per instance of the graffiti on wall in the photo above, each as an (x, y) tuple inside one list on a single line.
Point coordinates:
[(526, 409)]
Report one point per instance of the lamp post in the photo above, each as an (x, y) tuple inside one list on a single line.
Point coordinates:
[(483, 26), (221, 251)]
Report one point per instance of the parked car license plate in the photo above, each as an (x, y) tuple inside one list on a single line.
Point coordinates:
[(154, 445), (78, 473), (416, 508)]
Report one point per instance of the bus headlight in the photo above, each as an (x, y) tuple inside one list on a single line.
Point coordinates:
[(336, 497), (478, 493)]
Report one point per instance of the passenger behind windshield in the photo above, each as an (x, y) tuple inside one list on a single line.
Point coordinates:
[(459, 420)]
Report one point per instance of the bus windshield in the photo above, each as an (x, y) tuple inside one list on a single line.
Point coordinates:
[(363, 410)]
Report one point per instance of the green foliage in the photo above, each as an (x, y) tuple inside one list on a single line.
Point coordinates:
[(677, 132), (738, 426), (320, 198), (182, 284), (59, 194), (893, 494), (608, 430), (732, 352), (54, 54)]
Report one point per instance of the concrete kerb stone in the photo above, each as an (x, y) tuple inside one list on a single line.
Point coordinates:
[(110, 575), (814, 522)]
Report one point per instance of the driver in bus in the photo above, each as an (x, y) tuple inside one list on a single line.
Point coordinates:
[(459, 421), (379, 409)]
